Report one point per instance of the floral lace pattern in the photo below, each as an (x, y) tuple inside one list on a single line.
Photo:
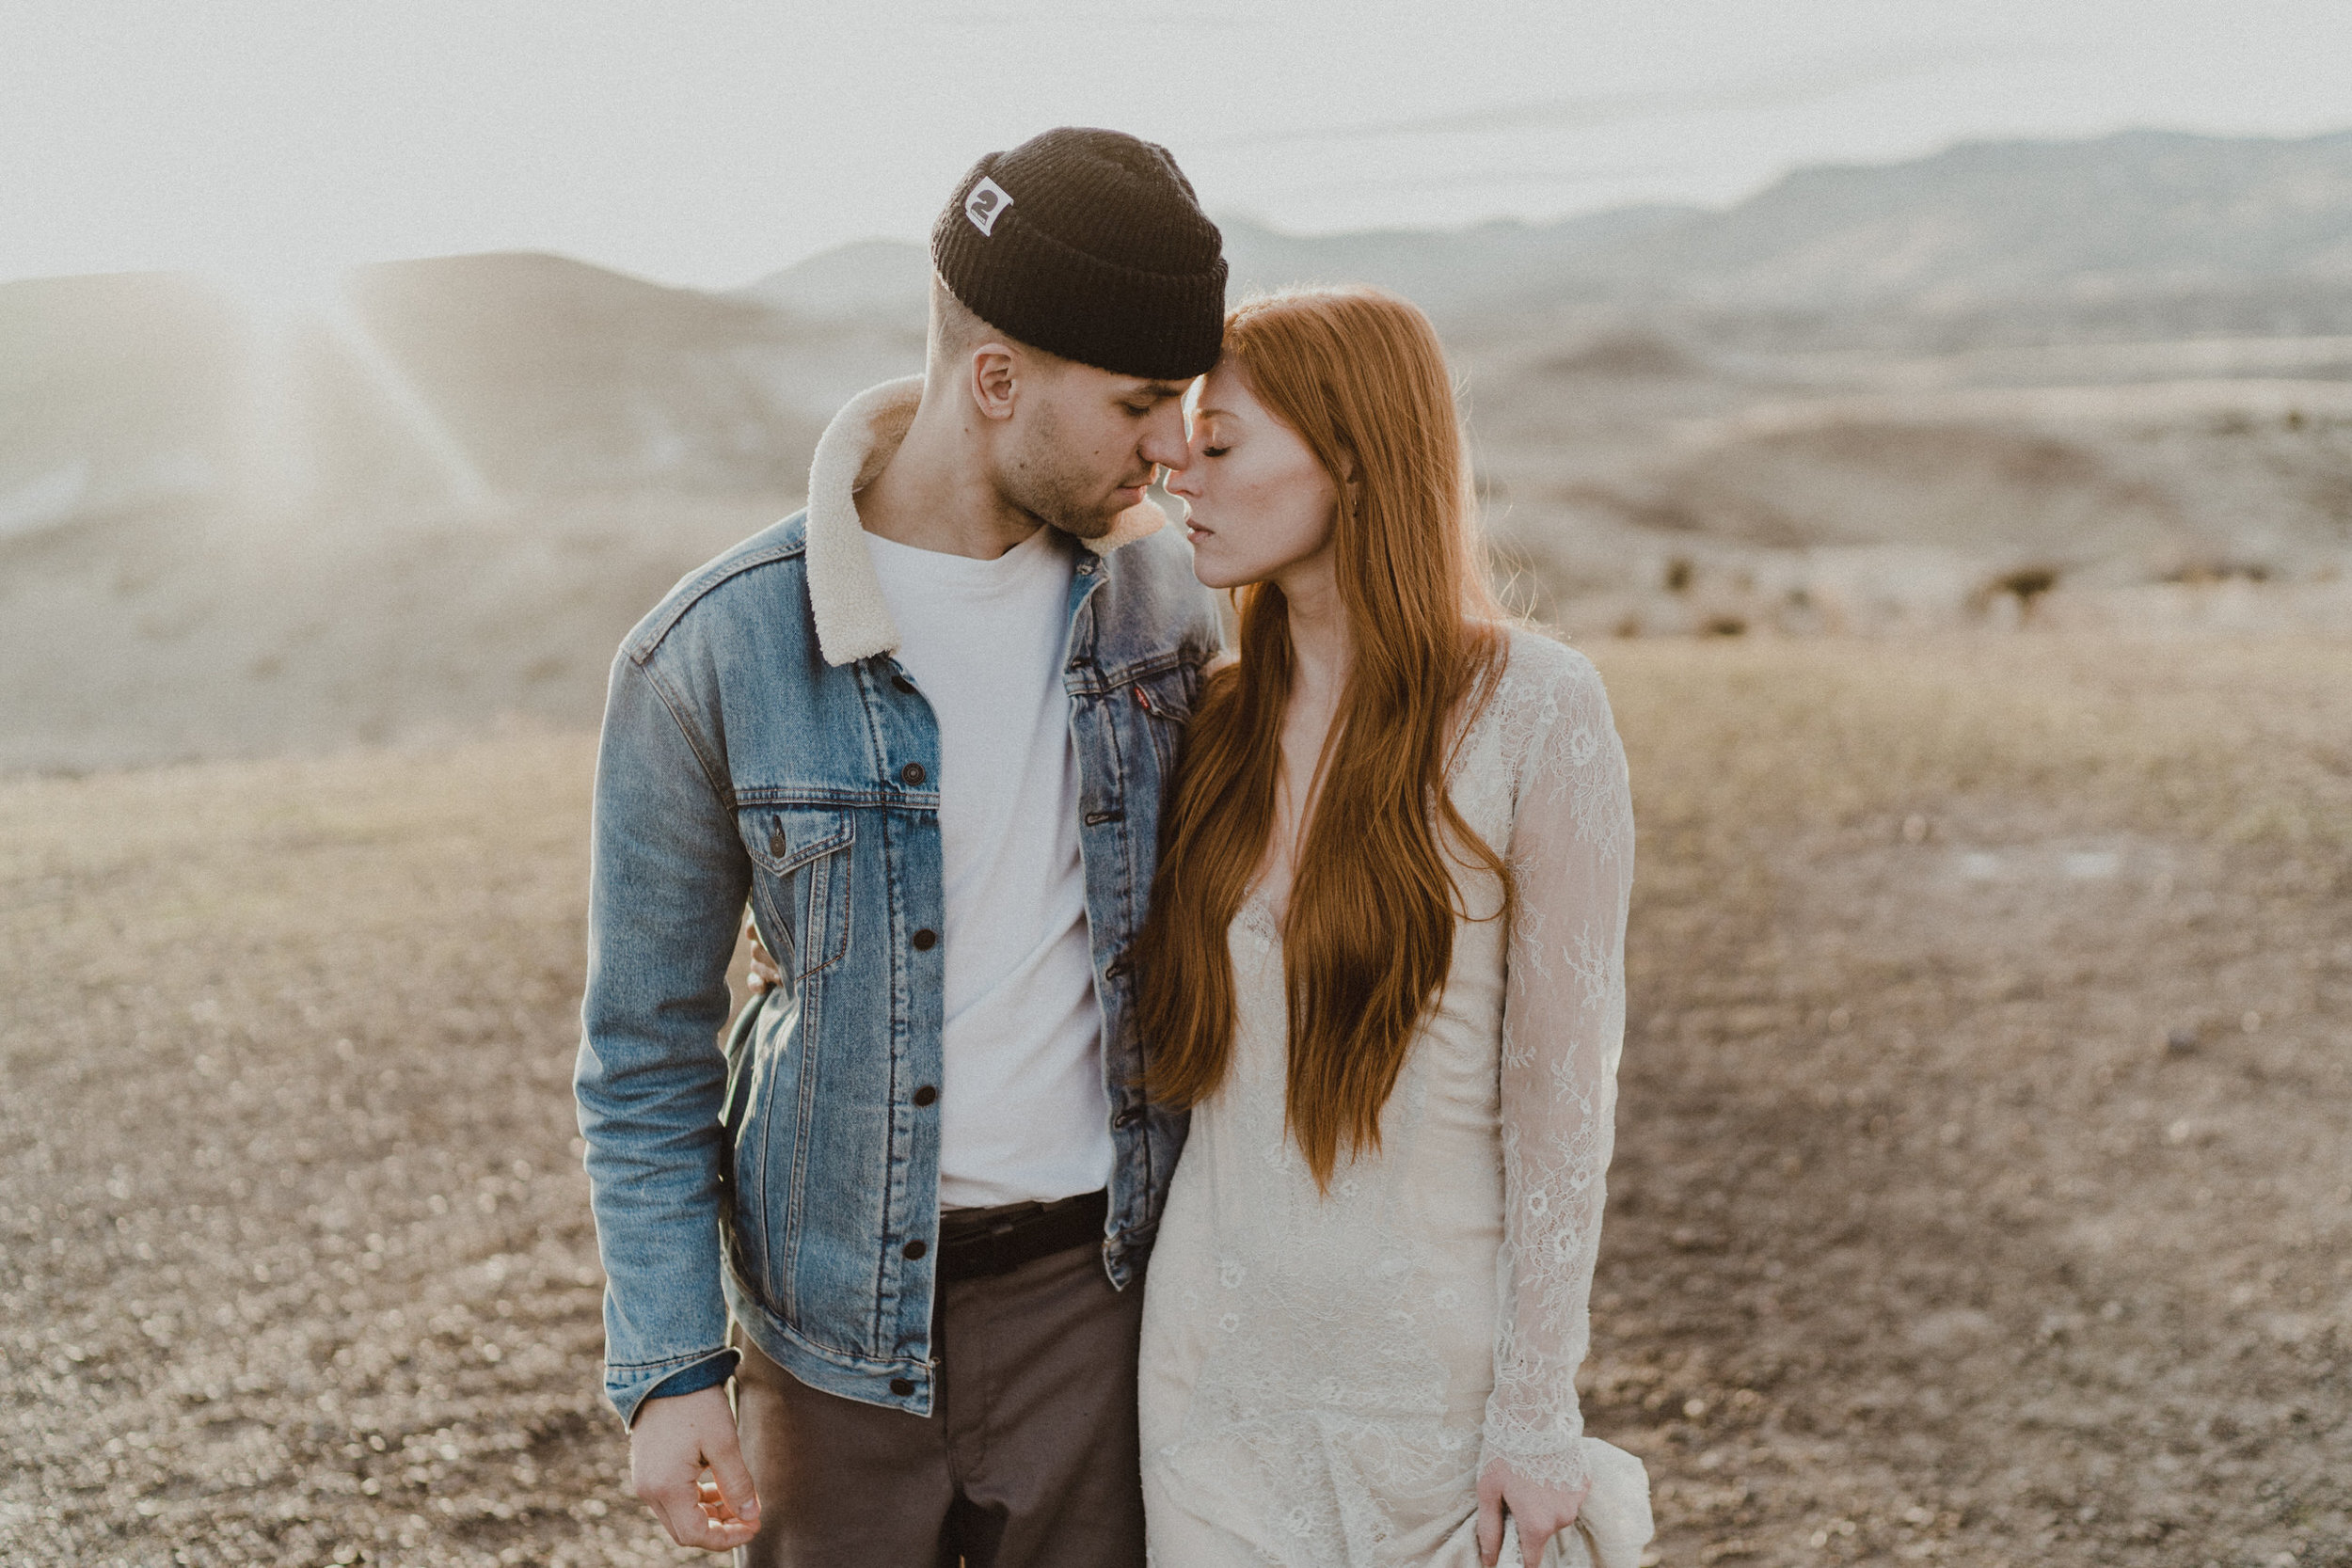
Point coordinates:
[(1323, 1377), (1563, 1028)]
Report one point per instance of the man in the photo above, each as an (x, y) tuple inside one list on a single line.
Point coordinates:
[(923, 727)]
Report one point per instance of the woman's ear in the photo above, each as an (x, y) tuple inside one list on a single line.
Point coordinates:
[(1350, 493)]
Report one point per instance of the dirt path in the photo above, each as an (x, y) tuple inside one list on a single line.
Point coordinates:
[(1984, 1193)]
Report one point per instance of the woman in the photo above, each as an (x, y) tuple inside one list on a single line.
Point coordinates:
[(1384, 969)]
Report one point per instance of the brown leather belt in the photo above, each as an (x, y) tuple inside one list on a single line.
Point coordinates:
[(977, 1243)]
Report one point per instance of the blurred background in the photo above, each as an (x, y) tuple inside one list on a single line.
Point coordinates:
[(1936, 421)]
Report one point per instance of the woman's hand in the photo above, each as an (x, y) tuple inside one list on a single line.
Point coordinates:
[(1542, 1511), (765, 975)]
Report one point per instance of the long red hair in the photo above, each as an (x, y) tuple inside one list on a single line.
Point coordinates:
[(1359, 374)]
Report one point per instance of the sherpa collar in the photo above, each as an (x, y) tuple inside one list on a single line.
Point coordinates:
[(844, 594)]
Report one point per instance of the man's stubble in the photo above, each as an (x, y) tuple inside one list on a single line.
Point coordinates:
[(1042, 482)]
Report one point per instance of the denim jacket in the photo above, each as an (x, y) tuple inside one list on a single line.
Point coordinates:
[(760, 743)]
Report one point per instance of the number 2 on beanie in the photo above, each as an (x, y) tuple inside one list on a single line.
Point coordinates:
[(986, 204)]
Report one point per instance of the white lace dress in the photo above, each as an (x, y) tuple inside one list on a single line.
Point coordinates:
[(1323, 1377)]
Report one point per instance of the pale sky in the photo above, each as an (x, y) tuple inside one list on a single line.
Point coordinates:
[(710, 141)]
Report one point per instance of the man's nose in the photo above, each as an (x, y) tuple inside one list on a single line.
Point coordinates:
[(1164, 438)]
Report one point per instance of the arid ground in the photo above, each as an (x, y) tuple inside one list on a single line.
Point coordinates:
[(1983, 1191)]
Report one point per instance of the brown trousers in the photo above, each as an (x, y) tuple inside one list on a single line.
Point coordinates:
[(1029, 1458)]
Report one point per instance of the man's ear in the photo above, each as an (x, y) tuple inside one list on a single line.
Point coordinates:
[(995, 380)]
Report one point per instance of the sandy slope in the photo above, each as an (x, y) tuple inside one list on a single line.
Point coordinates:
[(1925, 1244)]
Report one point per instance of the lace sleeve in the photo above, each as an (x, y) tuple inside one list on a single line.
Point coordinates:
[(1571, 854)]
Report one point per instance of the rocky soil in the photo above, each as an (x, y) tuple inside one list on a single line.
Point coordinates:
[(1983, 1193)]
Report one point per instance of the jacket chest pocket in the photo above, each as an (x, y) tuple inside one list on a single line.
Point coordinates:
[(1162, 705), (801, 886)]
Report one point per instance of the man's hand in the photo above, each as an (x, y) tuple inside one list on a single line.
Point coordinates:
[(765, 975), (684, 1462), (1542, 1513)]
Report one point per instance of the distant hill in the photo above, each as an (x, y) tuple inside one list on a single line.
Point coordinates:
[(116, 393), (443, 497), (468, 378), (2140, 212), (560, 376), (2142, 234), (535, 374), (1863, 396), (870, 281), (1442, 270)]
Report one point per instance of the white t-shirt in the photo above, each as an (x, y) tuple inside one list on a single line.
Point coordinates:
[(1022, 1113)]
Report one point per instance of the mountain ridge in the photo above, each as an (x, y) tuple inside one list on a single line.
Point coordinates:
[(1867, 396), (2067, 229)]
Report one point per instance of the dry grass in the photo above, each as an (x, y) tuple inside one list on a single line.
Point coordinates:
[(1925, 1244), (299, 1260), (1982, 1192)]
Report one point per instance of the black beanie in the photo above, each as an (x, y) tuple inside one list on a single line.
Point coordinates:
[(1089, 244)]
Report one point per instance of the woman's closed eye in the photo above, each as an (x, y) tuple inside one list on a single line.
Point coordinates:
[(1215, 452)]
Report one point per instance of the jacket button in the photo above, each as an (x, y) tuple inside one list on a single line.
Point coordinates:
[(915, 1249), (775, 844), (902, 684), (1128, 1118), (924, 940), (926, 1095), (912, 774), (902, 1387)]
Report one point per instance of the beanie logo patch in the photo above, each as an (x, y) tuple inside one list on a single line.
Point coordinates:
[(985, 204)]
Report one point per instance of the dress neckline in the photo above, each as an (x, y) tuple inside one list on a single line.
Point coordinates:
[(1256, 914)]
